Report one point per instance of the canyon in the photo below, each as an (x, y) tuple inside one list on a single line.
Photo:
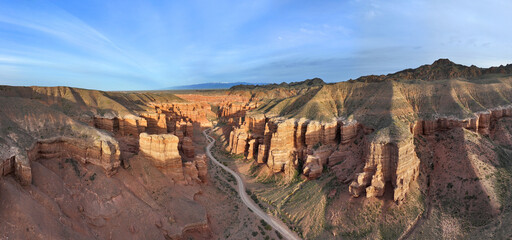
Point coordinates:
[(376, 157)]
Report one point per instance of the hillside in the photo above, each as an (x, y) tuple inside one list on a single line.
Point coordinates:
[(441, 69)]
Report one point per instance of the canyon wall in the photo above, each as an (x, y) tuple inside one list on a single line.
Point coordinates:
[(163, 151), (481, 123), (19, 165), (286, 144), (234, 113), (282, 144), (101, 153), (387, 163), (129, 126)]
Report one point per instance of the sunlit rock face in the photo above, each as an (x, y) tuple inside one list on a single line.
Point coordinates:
[(163, 150)]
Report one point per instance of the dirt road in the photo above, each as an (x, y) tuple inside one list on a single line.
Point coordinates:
[(271, 220)]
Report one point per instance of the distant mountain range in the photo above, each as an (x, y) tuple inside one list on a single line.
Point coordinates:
[(302, 84), (206, 86)]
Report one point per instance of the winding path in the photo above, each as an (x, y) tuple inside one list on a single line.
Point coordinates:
[(271, 220)]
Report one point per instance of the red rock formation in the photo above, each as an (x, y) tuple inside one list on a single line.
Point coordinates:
[(481, 123), (128, 126), (234, 113), (179, 134), (196, 171), (163, 150), (7, 166), (202, 167), (256, 125), (252, 148), (132, 126), (262, 153), (104, 123), (101, 153), (314, 134), (281, 149), (197, 112), (190, 172), (238, 141), (156, 123), (188, 147), (387, 163), (348, 132), (312, 167), (330, 131), (285, 142), (17, 164)]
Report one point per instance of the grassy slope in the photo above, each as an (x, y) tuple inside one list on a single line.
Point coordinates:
[(76, 101), (390, 106)]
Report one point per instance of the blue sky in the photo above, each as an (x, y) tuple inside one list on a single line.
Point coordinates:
[(139, 45)]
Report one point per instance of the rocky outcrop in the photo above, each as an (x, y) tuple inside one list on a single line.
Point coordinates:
[(480, 123), (163, 151), (312, 167), (17, 164), (314, 134), (194, 113), (282, 147), (281, 143), (196, 171), (7, 165), (387, 163), (202, 167), (255, 124), (100, 152), (441, 69), (156, 123), (234, 113), (349, 131), (238, 141), (188, 147), (128, 126), (252, 148)]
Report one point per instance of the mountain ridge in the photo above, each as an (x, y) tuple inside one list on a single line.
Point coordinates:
[(440, 69)]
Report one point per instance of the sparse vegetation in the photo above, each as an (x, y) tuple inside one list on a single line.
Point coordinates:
[(92, 177), (74, 163)]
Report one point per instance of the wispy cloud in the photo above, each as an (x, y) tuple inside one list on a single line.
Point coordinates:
[(154, 44)]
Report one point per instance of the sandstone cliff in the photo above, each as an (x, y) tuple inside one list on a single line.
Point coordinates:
[(101, 153), (163, 150)]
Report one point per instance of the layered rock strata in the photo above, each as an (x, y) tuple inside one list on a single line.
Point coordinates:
[(101, 153), (235, 113), (156, 123), (313, 167), (481, 123), (188, 147), (198, 112), (387, 163), (286, 143), (281, 144), (196, 171), (128, 126), (18, 164), (163, 151)]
